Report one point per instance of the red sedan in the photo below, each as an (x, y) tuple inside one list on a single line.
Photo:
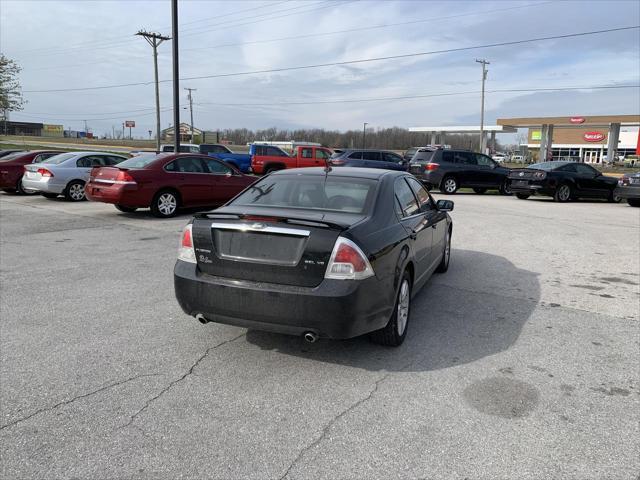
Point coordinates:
[(12, 168), (166, 182)]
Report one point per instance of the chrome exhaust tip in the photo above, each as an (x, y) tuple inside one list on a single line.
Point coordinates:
[(311, 337), (201, 318)]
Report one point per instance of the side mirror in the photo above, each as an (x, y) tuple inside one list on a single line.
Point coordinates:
[(445, 205)]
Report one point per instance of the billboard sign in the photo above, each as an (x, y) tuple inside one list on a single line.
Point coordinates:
[(130, 124), (594, 136), (577, 120)]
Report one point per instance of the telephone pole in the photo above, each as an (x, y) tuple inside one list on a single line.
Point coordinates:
[(484, 78), (364, 135), (155, 39), (176, 75), (190, 97)]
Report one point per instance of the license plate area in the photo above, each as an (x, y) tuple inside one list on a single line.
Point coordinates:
[(634, 180), (520, 183)]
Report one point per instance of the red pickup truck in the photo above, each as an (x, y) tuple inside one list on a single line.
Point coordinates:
[(267, 158)]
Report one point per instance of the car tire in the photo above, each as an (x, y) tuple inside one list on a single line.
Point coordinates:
[(443, 266), (522, 196), (612, 198), (394, 333), (505, 188), (449, 185), (634, 202), (21, 190), (563, 193), (165, 204), (271, 168), (480, 191), (124, 209), (75, 191), (50, 196)]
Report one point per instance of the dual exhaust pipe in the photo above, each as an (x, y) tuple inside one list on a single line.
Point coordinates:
[(309, 337)]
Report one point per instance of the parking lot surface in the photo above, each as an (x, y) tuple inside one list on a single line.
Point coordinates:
[(521, 361)]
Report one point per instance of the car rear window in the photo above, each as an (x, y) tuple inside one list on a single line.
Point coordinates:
[(58, 159), (547, 166), (310, 192), (140, 161)]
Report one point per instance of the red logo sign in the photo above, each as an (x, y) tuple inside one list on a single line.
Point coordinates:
[(576, 119), (593, 136)]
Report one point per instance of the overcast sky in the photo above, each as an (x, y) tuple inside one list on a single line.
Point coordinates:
[(73, 44)]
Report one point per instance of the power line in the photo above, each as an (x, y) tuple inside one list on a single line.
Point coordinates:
[(285, 103), (347, 62), (360, 29)]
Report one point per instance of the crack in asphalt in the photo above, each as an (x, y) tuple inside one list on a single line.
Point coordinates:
[(176, 381), (78, 397), (340, 415)]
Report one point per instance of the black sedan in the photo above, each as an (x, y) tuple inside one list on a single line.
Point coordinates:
[(332, 253), (563, 181), (629, 189)]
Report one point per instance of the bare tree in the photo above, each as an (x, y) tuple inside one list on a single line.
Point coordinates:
[(10, 92)]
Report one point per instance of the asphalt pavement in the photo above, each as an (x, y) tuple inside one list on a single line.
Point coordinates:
[(522, 361)]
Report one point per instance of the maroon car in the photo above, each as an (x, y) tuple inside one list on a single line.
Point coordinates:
[(12, 168), (165, 182)]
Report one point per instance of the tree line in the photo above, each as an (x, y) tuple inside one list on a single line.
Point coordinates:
[(394, 138)]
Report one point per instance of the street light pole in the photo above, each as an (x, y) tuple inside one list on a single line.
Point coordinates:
[(484, 64), (364, 135), (190, 97), (176, 75)]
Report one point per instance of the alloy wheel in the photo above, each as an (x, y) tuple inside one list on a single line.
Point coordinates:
[(403, 306), (167, 204), (564, 192), (450, 185), (76, 191)]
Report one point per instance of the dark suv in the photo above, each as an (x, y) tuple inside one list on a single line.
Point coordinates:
[(369, 159), (451, 169)]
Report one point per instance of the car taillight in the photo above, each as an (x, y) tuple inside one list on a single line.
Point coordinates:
[(430, 167), (624, 180), (540, 175), (337, 162), (187, 253), (125, 177), (347, 262), (44, 172)]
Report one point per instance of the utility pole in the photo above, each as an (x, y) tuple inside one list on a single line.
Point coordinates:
[(155, 39), (190, 97), (86, 130), (176, 77), (484, 64), (364, 135)]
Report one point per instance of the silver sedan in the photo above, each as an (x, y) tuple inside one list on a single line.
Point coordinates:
[(66, 174)]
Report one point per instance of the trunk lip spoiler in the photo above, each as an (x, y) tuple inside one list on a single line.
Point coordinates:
[(260, 228), (284, 219)]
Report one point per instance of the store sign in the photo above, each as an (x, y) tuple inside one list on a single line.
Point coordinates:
[(577, 119), (594, 136), (536, 135), (52, 128), (130, 123)]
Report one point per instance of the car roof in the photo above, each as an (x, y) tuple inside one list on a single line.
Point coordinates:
[(373, 173)]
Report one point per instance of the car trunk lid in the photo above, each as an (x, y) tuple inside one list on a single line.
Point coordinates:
[(270, 245)]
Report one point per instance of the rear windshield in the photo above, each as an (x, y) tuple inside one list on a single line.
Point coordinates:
[(423, 156), (547, 166), (140, 161), (58, 159), (312, 192), (410, 152)]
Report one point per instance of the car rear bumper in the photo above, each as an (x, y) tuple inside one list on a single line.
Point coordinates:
[(128, 195), (336, 309), (429, 178), (44, 184), (627, 192), (9, 179)]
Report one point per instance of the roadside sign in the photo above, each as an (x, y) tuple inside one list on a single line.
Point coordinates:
[(130, 123)]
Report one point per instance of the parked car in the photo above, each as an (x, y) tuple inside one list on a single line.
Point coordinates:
[(450, 170), (517, 158), (241, 161), (184, 148), (409, 153), (629, 188), (12, 168), (4, 153), (563, 181), (334, 253), (166, 182), (269, 158), (369, 159), (66, 173), (499, 157)]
